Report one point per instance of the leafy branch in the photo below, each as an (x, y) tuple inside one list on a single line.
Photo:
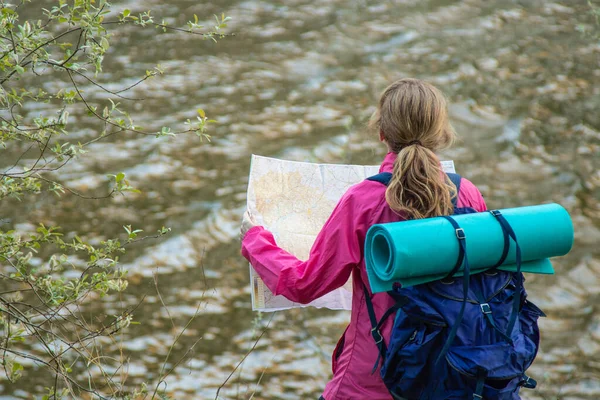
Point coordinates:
[(30, 47), (49, 279)]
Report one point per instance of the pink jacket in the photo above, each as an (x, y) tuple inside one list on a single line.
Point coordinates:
[(337, 253)]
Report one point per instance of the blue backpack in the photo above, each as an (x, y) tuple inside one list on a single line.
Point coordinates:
[(459, 338)]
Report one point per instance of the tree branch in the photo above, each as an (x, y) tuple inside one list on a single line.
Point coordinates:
[(93, 82), (245, 356)]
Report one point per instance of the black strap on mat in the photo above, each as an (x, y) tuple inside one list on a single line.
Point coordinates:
[(506, 244), (462, 244), (517, 297)]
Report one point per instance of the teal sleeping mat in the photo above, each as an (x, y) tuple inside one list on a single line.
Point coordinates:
[(419, 251)]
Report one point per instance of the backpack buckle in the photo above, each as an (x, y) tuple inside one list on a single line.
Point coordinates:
[(376, 335), (477, 396), (528, 382), (460, 234), (485, 308), (495, 213)]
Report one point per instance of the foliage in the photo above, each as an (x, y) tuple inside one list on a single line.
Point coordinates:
[(40, 317), (594, 13)]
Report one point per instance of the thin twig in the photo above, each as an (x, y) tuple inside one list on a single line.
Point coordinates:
[(162, 369), (19, 159), (134, 85), (258, 382), (43, 168), (189, 350), (246, 355), (154, 275), (93, 82), (64, 376), (77, 48), (106, 196), (205, 35), (42, 151)]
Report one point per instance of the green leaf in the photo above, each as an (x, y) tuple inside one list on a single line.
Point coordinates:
[(126, 12), (201, 113), (104, 43), (16, 367), (7, 11), (119, 177)]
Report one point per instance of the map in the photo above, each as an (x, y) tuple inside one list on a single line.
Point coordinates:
[(293, 200)]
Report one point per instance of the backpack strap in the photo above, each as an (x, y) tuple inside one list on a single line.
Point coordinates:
[(383, 178), (376, 326), (480, 377), (375, 332), (487, 312), (455, 178)]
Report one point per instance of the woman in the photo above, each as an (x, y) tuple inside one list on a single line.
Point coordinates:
[(412, 121)]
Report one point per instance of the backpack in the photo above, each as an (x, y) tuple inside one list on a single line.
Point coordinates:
[(459, 338)]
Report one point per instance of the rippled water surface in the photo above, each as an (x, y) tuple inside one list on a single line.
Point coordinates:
[(298, 81)]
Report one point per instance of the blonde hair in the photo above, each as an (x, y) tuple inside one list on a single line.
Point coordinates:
[(412, 117)]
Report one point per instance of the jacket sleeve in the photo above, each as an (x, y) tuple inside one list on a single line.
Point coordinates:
[(335, 252)]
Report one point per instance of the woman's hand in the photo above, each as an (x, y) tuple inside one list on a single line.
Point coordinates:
[(248, 222)]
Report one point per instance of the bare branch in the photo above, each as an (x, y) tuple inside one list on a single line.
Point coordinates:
[(132, 86), (245, 356), (42, 151), (93, 82), (53, 368), (154, 275), (191, 32), (18, 159), (73, 192)]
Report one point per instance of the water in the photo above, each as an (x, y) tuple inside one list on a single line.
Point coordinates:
[(298, 81)]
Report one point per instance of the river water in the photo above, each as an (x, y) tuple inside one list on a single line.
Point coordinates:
[(298, 81)]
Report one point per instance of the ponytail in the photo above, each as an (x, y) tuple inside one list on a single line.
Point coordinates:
[(419, 188)]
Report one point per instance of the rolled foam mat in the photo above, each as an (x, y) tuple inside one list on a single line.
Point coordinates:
[(425, 250)]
